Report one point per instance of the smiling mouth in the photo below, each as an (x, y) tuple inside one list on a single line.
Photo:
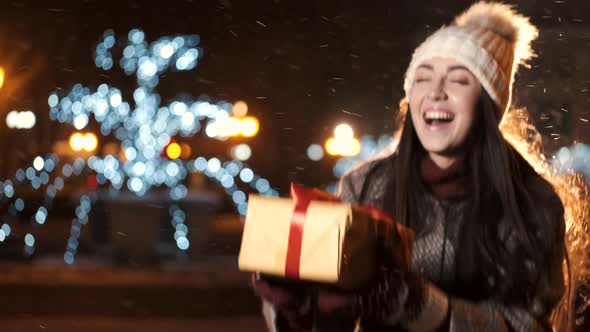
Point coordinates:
[(438, 117)]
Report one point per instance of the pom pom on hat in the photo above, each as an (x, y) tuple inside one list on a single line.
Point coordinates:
[(504, 21), (491, 39)]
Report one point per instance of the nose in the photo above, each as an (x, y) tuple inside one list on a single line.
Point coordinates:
[(438, 90)]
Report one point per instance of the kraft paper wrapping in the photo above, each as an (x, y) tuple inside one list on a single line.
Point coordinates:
[(338, 244)]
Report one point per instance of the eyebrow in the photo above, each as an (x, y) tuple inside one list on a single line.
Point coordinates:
[(451, 68)]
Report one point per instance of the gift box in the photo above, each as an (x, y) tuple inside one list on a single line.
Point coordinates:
[(315, 237)]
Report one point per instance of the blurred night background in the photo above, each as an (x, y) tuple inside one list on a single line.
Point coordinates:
[(135, 222)]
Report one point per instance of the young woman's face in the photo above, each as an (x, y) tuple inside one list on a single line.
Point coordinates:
[(443, 101)]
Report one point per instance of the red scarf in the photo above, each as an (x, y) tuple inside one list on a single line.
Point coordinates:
[(447, 183)]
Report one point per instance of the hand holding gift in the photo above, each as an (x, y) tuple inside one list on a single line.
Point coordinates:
[(315, 237)]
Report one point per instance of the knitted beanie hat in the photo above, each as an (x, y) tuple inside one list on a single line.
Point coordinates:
[(490, 39)]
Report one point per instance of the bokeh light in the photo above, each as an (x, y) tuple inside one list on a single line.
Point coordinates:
[(80, 121), (77, 142), (241, 152), (144, 128), (343, 132), (246, 175), (19, 204), (230, 127), (173, 151), (90, 142), (575, 158), (29, 240), (213, 165), (186, 151), (6, 229), (249, 126), (331, 146), (21, 120), (342, 147), (240, 109), (315, 152), (38, 163), (370, 147)]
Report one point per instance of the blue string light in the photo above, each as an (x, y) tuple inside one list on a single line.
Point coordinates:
[(38, 175), (82, 211), (574, 158), (178, 219), (144, 130)]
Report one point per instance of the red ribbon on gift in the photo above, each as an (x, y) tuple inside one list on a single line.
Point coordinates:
[(301, 196)]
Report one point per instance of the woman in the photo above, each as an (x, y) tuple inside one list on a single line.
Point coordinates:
[(489, 243)]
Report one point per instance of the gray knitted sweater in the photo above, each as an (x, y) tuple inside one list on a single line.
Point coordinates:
[(434, 256)]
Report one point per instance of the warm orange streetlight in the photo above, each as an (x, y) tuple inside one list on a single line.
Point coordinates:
[(234, 126), (77, 142), (343, 131), (240, 109), (90, 142), (249, 126), (342, 147), (343, 143), (186, 151), (1, 77), (173, 151), (87, 142)]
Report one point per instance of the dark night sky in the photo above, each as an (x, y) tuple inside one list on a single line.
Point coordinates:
[(302, 66)]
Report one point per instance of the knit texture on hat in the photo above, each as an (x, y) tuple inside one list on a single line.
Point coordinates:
[(490, 39)]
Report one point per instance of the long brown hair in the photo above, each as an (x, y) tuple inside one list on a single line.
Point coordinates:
[(497, 191)]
